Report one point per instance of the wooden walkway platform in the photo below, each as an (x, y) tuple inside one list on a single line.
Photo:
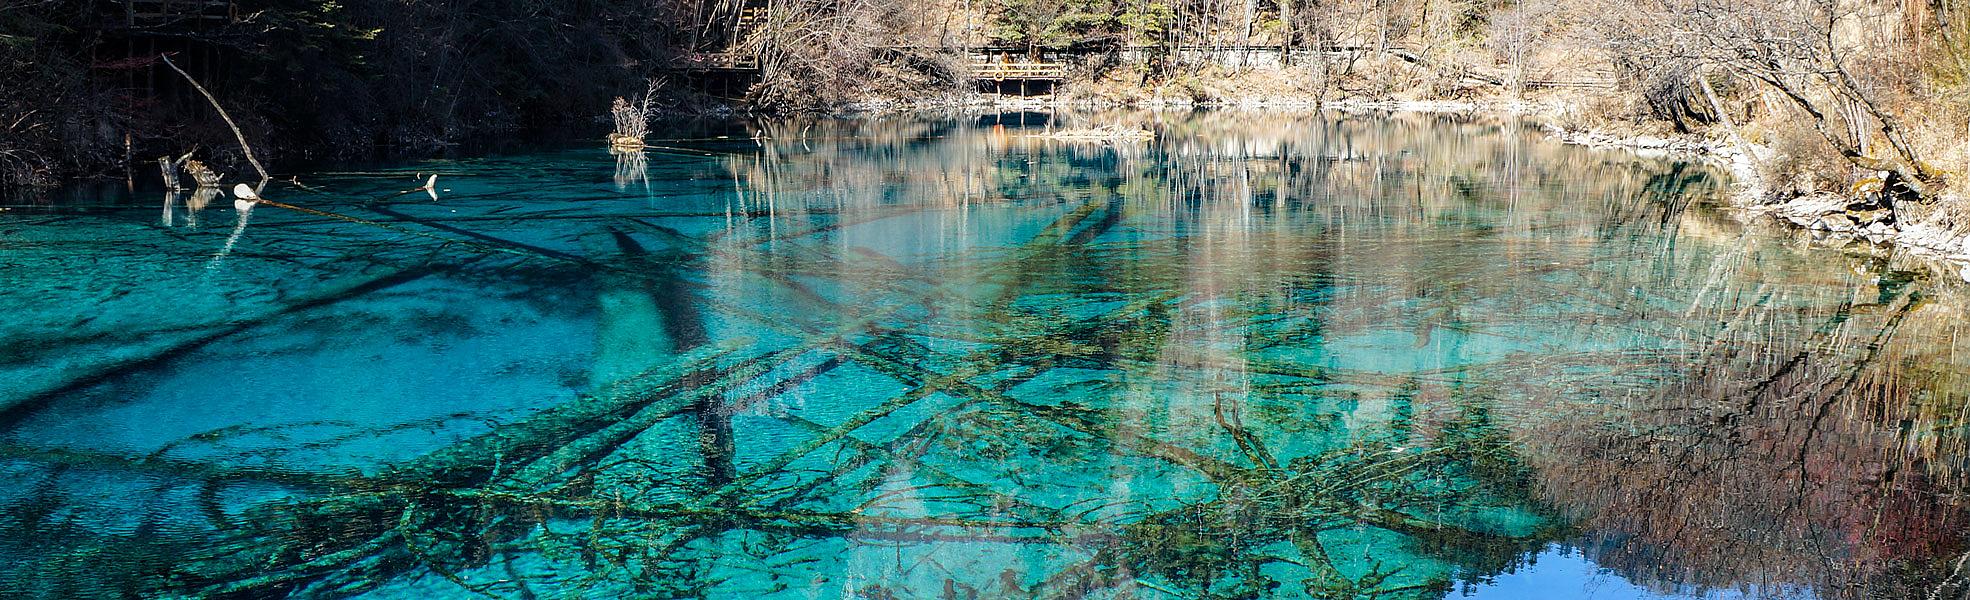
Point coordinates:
[(180, 13), (1607, 84), (1008, 71), (715, 62), (998, 69)]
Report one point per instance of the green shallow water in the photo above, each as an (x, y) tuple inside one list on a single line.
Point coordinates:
[(1264, 355)]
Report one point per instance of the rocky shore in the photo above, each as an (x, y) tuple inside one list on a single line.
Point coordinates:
[(1870, 214)]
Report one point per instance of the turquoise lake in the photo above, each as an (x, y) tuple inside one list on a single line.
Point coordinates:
[(1264, 355)]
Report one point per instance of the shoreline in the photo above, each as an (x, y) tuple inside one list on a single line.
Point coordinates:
[(1922, 230)]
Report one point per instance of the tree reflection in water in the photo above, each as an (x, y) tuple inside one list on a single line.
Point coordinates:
[(1264, 355)]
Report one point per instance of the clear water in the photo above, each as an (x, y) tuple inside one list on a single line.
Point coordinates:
[(1264, 355)]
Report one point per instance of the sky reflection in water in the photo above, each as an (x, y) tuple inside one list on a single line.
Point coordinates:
[(1265, 355)]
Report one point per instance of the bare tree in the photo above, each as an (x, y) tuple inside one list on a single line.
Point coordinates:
[(1518, 34), (816, 53), (1805, 50)]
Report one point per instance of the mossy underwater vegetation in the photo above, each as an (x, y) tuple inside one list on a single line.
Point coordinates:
[(1257, 355)]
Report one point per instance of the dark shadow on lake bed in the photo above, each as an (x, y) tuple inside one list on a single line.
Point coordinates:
[(1261, 355)]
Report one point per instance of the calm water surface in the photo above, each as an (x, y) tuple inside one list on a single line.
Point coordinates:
[(1265, 355)]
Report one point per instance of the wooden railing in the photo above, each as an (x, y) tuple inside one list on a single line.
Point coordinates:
[(147, 13), (1581, 84), (997, 64), (716, 61), (1001, 71), (751, 19)]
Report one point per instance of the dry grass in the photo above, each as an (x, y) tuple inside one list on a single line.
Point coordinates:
[(1802, 163)]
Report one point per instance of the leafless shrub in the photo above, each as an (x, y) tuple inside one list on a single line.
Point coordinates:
[(631, 122), (1802, 163), (813, 54), (1382, 77), (1601, 112), (23, 166), (1670, 95), (632, 118)]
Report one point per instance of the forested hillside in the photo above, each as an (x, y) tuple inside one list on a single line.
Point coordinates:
[(1846, 95)]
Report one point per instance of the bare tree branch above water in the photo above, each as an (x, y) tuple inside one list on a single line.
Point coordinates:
[(237, 134)]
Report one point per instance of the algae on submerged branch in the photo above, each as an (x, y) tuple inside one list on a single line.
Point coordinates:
[(1261, 353)]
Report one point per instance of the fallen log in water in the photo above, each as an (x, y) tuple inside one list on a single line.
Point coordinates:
[(519, 459), (181, 469), (353, 540), (34, 397), (459, 508)]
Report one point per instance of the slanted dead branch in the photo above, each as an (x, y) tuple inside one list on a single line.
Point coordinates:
[(244, 147)]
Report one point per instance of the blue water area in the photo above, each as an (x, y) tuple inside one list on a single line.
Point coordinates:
[(1260, 355)]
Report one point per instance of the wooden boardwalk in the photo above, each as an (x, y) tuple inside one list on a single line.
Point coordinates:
[(751, 18), (716, 61), (996, 65), (180, 13), (1607, 84), (987, 70), (991, 67)]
